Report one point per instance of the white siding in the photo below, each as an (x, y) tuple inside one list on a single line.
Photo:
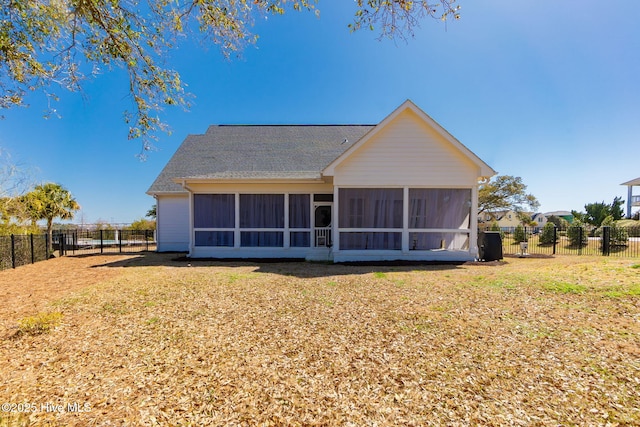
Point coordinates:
[(407, 152), (173, 223)]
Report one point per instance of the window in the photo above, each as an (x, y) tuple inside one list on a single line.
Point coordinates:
[(213, 210), (438, 241), (356, 213), (299, 211), (323, 197), (370, 240), (214, 238), (261, 238), (262, 211), (300, 239), (369, 209), (300, 218), (439, 208)]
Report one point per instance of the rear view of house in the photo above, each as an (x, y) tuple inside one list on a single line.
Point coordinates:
[(404, 189)]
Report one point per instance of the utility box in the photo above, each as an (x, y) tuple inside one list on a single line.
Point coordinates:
[(489, 246)]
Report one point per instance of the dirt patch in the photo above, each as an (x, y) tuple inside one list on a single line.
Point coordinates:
[(28, 289)]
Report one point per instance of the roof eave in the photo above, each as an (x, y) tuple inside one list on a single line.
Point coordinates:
[(632, 182), (186, 181)]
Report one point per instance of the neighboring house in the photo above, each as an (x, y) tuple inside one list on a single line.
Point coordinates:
[(566, 215), (632, 201), (540, 219), (506, 220), (404, 189)]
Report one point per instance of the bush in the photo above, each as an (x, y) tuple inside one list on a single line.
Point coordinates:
[(577, 234), (548, 235), (39, 324), (618, 236), (496, 227), (519, 235)]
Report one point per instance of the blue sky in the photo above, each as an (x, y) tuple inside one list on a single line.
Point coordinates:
[(548, 91)]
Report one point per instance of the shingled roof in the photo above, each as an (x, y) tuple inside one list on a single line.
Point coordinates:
[(227, 152)]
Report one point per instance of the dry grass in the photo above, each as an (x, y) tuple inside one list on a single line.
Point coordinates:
[(148, 341)]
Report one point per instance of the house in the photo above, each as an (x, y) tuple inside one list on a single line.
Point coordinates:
[(506, 219), (404, 189), (540, 219), (566, 215), (632, 201)]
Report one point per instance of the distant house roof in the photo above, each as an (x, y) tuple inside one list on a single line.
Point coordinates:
[(632, 182), (558, 213), (228, 152)]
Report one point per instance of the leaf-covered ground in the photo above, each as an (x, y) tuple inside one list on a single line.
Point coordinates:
[(144, 340)]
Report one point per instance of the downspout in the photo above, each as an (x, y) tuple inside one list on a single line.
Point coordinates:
[(155, 232)]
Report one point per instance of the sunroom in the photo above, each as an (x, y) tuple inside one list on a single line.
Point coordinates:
[(378, 223)]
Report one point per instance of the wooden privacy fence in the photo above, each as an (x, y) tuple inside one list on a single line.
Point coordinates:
[(17, 250)]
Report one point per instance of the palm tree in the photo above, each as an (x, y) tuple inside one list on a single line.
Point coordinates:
[(49, 201)]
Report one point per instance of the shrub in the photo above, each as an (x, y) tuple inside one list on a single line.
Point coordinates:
[(496, 227), (560, 223), (618, 236), (519, 235), (577, 234), (39, 324), (548, 235)]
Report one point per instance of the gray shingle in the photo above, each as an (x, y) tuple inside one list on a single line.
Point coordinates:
[(256, 151)]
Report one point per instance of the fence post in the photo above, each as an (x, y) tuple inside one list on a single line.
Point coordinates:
[(119, 240), (580, 231), (146, 240), (101, 242), (606, 241), (555, 238), (13, 251), (33, 258), (46, 245)]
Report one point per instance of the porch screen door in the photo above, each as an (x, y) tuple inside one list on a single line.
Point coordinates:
[(322, 225)]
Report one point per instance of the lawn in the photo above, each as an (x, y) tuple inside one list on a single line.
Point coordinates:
[(147, 340)]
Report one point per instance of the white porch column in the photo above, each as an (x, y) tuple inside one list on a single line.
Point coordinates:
[(191, 210), (405, 219), (473, 236), (236, 231), (335, 221), (286, 238)]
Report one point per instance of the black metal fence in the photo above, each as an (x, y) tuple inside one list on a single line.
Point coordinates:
[(17, 250), (607, 241), (78, 242)]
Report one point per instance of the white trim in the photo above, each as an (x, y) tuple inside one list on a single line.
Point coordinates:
[(473, 237), (335, 219), (405, 219), (236, 230), (192, 234), (318, 180), (286, 243)]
